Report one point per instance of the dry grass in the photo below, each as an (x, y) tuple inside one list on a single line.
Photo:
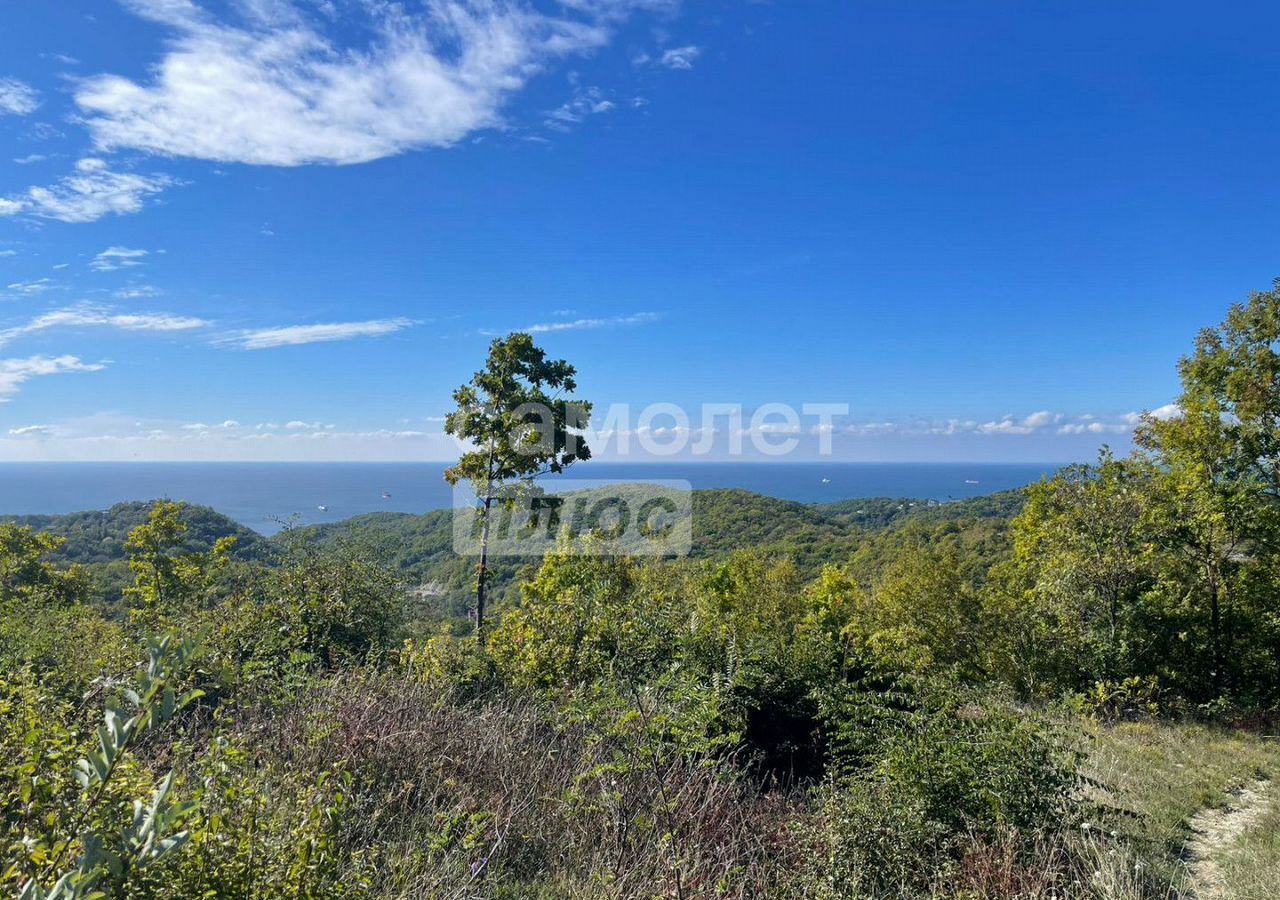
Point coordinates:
[(494, 799), (1154, 778), (1251, 865), (497, 799)]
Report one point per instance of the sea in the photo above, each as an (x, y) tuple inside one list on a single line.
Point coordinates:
[(269, 496)]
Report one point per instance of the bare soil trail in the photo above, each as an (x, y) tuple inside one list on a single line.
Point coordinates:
[(1214, 829)]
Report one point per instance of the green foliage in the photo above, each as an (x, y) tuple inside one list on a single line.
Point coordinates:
[(921, 617), (504, 412), (263, 831), (103, 838), (168, 579), (574, 624), (882, 512), (1070, 601), (318, 610), (948, 773), (1163, 565), (27, 576), (43, 624), (513, 413), (340, 608)]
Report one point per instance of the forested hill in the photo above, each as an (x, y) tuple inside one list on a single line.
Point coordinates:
[(881, 512), (724, 520), (864, 533), (98, 536)]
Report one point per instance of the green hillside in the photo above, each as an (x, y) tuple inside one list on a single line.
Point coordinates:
[(98, 536)]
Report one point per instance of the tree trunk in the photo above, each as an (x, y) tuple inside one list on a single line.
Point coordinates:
[(482, 571), (1215, 617)]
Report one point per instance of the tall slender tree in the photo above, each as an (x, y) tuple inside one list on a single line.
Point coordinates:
[(521, 424)]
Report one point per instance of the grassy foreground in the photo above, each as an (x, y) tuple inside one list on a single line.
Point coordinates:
[(1150, 781)]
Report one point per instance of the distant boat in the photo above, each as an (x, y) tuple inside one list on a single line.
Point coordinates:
[(323, 508), (386, 495), (826, 481), (971, 481)]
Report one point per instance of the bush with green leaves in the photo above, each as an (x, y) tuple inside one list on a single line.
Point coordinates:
[(74, 845), (930, 783)]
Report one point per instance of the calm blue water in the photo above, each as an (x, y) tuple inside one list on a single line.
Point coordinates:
[(263, 496)]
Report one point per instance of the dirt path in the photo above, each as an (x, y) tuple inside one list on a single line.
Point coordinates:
[(1214, 829)]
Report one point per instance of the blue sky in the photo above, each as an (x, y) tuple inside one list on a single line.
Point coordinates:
[(989, 229)]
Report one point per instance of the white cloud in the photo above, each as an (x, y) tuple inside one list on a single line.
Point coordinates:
[(228, 425), (17, 98), (16, 372), (1168, 411), (274, 88), (586, 102), (1121, 427), (136, 291), (8, 252), (680, 57), (585, 324), (91, 316), (29, 159), (1007, 425), (114, 258), (1042, 419), (1042, 422), (91, 192), (121, 436), (31, 288), (617, 10), (295, 335)]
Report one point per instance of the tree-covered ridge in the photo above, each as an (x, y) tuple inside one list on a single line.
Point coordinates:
[(419, 548), (99, 536), (880, 512)]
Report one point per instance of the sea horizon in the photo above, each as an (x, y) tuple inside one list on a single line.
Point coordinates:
[(269, 496)]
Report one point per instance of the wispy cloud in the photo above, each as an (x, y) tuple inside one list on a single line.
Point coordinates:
[(114, 258), (124, 436), (96, 317), (17, 98), (643, 318), (1042, 422), (1095, 428), (136, 292), (31, 288), (273, 87), (590, 101), (90, 193), (14, 373), (680, 57), (295, 335)]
